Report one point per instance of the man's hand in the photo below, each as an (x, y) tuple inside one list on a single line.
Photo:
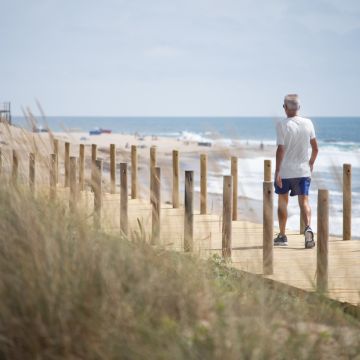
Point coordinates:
[(278, 180), (311, 166)]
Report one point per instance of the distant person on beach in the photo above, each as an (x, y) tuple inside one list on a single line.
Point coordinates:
[(294, 167)]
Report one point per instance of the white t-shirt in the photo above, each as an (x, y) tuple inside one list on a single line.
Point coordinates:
[(295, 134)]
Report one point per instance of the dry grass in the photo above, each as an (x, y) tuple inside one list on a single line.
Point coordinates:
[(69, 291)]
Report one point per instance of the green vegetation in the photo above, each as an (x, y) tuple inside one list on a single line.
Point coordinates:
[(69, 291)]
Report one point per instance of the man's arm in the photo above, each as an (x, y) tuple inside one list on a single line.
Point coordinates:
[(314, 153), (280, 152)]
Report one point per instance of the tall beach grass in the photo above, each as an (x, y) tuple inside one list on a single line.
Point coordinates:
[(70, 291)]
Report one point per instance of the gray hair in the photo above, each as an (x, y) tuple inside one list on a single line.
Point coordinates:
[(292, 102)]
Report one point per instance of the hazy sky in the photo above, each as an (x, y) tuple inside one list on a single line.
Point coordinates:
[(180, 57)]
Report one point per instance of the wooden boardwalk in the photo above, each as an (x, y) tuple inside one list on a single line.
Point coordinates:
[(293, 264)]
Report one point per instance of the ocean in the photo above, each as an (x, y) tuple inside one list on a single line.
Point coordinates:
[(338, 137)]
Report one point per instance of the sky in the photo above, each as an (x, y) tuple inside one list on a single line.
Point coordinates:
[(180, 57)]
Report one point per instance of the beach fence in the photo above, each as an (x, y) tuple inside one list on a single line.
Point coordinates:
[(184, 219)]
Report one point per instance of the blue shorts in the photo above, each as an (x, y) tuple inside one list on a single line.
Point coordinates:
[(296, 186)]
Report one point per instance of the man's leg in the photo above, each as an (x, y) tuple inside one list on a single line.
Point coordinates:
[(305, 208), (282, 212)]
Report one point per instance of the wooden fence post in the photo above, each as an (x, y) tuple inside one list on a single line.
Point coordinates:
[(156, 203), (226, 225), (81, 167), (323, 237), (203, 184), (134, 172), (67, 164), (93, 166), (152, 166), (347, 202), (56, 152), (112, 169), (234, 174), (72, 179), (176, 171), (53, 176), (0, 162), (268, 227), (189, 212), (15, 167), (267, 170), (123, 200), (32, 172), (97, 188)]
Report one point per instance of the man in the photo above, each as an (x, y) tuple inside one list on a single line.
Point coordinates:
[(293, 166)]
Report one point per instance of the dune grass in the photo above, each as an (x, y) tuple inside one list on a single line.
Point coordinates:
[(68, 291)]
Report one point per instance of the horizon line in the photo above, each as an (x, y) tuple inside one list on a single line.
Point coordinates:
[(189, 116)]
